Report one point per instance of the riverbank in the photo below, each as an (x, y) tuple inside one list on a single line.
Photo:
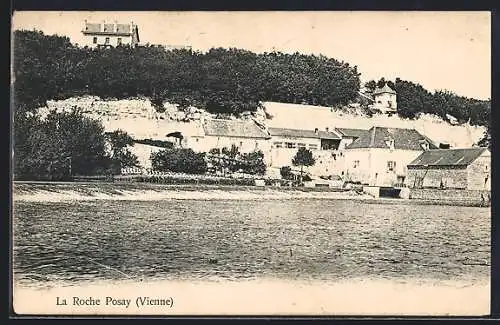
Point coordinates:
[(128, 191), (139, 191)]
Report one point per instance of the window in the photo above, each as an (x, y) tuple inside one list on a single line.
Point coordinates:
[(355, 164), (119, 41), (256, 144), (290, 145), (313, 146), (485, 168), (94, 40), (107, 40), (278, 145), (391, 166), (241, 144)]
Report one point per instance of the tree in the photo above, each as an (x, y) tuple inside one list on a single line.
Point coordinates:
[(179, 160), (58, 146), (253, 163), (121, 156), (381, 83), (371, 85), (412, 99), (303, 157), (486, 140), (286, 172), (225, 81)]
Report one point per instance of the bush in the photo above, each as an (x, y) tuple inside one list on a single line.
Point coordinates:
[(286, 172), (179, 161)]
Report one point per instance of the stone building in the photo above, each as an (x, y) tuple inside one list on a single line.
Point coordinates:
[(468, 168), (246, 135), (385, 99), (380, 156), (324, 145), (110, 34)]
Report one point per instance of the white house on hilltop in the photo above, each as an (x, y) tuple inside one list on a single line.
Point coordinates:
[(110, 34)]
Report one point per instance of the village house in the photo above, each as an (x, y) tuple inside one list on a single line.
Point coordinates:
[(349, 135), (110, 34), (324, 144), (246, 135), (380, 156), (468, 168)]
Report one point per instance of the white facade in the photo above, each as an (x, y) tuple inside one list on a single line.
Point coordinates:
[(110, 34), (378, 166), (284, 148), (385, 100), (207, 142)]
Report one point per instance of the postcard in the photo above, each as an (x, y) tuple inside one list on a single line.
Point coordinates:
[(251, 163)]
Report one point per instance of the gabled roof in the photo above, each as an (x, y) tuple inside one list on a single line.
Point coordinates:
[(383, 90), (234, 128), (299, 133), (351, 133), (404, 139), (109, 29), (447, 157)]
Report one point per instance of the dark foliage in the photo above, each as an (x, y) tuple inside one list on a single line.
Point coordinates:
[(229, 81), (59, 146), (414, 99), (179, 161)]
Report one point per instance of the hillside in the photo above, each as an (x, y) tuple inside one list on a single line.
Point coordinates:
[(126, 88), (220, 81), (139, 118)]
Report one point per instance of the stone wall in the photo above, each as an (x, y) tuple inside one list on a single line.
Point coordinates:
[(479, 174), (449, 195), (451, 178)]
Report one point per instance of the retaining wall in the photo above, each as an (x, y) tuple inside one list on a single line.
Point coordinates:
[(451, 195)]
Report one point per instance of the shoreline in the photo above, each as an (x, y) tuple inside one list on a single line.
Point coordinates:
[(43, 191)]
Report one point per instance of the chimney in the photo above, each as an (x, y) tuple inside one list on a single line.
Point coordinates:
[(326, 129), (102, 25), (316, 131)]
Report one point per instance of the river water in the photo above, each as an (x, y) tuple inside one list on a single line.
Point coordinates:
[(89, 241)]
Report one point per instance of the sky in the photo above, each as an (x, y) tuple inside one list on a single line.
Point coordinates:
[(439, 50)]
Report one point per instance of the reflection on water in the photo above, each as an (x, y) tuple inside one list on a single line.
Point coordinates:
[(299, 239)]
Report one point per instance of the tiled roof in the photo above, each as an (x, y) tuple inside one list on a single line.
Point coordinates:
[(447, 157), (92, 28), (123, 28), (299, 133), (404, 139), (234, 128), (385, 89), (352, 133), (109, 29)]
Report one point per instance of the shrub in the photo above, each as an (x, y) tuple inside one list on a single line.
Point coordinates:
[(179, 160)]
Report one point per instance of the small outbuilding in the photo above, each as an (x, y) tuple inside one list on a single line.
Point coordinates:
[(468, 168)]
